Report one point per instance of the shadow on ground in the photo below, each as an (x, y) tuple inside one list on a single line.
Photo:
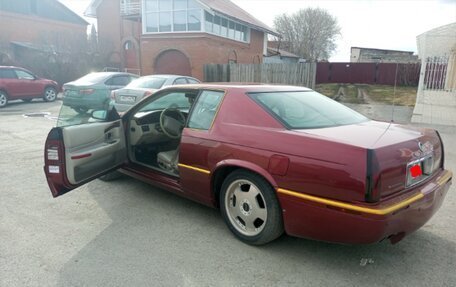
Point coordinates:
[(157, 238)]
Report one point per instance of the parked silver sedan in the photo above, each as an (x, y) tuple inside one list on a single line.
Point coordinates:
[(145, 86)]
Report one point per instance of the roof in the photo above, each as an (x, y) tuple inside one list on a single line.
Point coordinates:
[(222, 7), (47, 9), (385, 50), (231, 10), (272, 51)]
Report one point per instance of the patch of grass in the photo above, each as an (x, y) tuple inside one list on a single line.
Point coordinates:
[(405, 96), (329, 90)]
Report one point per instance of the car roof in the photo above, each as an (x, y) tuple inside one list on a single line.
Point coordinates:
[(245, 87), (11, 67), (107, 74), (166, 76)]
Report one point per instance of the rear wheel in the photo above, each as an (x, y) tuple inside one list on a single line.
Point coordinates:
[(3, 99), (250, 208), (50, 94)]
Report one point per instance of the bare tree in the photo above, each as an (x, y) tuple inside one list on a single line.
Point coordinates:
[(309, 33)]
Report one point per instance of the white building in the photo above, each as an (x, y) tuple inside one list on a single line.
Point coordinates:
[(436, 96)]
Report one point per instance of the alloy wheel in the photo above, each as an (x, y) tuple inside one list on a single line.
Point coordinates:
[(246, 207)]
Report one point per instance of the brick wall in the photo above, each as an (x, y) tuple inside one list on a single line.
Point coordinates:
[(200, 48), (22, 28)]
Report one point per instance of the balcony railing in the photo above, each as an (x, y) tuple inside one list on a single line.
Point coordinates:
[(130, 8)]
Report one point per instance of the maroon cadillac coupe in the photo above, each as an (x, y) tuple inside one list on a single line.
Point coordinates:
[(274, 159)]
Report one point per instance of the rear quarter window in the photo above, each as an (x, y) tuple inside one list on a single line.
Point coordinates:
[(306, 109)]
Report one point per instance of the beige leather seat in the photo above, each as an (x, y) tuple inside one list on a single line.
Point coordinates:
[(168, 160)]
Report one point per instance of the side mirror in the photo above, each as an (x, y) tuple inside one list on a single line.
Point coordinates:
[(99, 114)]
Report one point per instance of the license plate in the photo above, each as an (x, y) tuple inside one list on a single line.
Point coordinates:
[(127, 99)]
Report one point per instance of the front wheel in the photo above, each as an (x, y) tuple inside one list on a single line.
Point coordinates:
[(50, 94), (3, 99), (250, 208)]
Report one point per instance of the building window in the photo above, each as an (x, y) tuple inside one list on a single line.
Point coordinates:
[(164, 16), (225, 27)]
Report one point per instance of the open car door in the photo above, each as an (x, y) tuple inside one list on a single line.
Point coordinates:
[(77, 154)]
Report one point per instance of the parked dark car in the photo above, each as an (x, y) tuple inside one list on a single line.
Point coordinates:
[(145, 86), (272, 158), (20, 84), (94, 90)]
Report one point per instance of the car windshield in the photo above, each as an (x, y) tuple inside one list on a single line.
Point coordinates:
[(306, 109), (93, 78), (147, 83)]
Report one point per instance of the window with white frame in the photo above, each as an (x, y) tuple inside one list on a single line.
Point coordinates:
[(171, 16), (225, 27), (167, 16)]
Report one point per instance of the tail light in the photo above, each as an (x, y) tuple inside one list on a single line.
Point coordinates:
[(147, 93), (86, 91)]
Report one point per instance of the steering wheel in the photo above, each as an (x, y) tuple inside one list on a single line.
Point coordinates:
[(170, 126)]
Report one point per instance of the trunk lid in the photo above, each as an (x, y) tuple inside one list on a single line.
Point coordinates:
[(392, 149)]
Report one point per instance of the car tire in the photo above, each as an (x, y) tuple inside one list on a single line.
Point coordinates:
[(3, 99), (250, 208), (50, 94), (110, 176)]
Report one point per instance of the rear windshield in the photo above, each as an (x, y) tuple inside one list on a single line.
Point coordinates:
[(147, 83), (306, 109), (93, 78)]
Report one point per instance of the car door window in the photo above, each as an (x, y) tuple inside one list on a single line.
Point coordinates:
[(177, 100), (24, 75), (7, 74), (180, 81), (192, 81), (205, 109)]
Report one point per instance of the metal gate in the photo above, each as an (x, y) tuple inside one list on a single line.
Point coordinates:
[(435, 74)]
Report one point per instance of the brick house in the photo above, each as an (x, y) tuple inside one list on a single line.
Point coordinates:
[(177, 36), (28, 27)]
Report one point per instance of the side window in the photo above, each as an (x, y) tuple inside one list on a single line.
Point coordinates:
[(24, 75), (177, 100), (180, 81), (7, 74), (118, 81), (192, 81), (205, 109)]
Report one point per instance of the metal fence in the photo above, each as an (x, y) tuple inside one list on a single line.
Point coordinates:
[(302, 74), (435, 73), (368, 73)]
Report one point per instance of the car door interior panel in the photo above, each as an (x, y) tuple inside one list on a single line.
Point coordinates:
[(92, 149)]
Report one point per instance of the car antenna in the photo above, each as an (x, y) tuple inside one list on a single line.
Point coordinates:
[(394, 93)]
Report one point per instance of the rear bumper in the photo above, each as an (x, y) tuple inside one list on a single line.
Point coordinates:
[(327, 220)]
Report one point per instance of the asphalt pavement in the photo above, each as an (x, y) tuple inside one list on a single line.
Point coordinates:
[(127, 233)]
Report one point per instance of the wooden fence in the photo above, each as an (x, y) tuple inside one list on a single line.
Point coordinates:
[(302, 74)]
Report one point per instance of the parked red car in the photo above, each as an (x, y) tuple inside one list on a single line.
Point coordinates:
[(21, 84), (272, 158)]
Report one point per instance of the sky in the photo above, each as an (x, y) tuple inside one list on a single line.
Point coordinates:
[(382, 24)]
